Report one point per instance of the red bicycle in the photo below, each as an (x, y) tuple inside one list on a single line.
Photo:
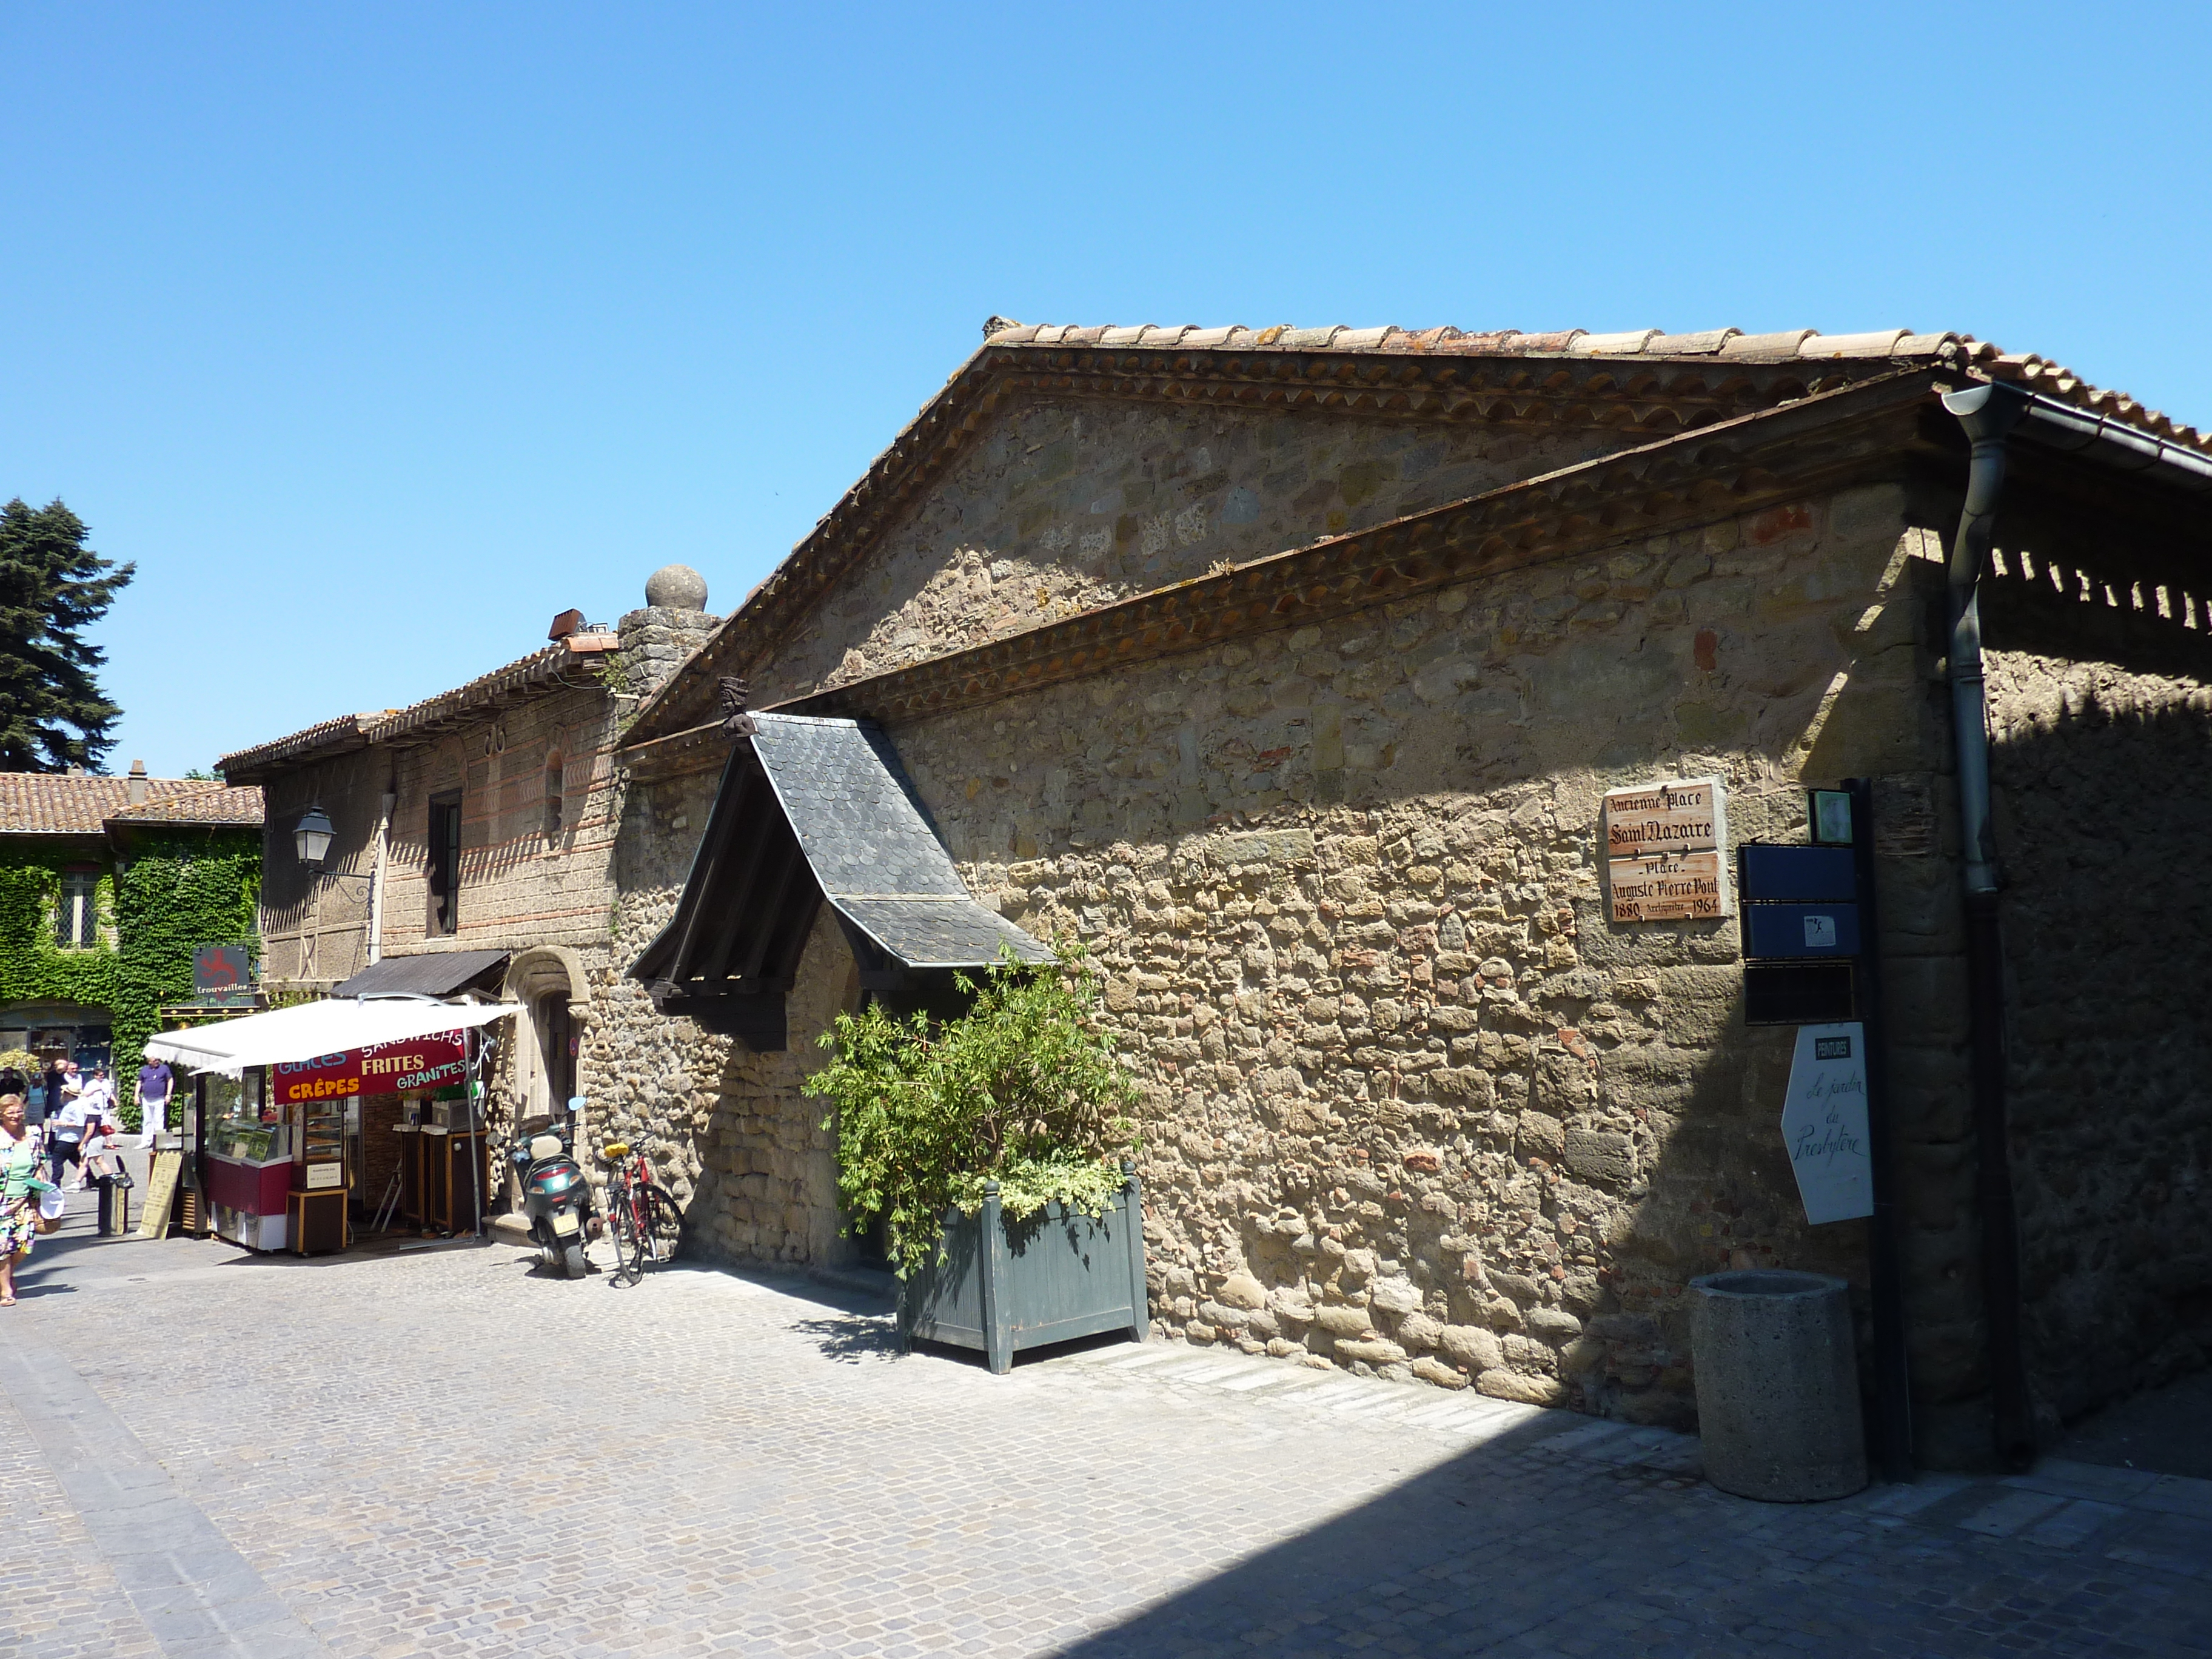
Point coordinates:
[(647, 1225)]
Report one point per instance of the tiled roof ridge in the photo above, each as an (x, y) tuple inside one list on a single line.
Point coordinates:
[(240, 803), (2035, 372), (306, 740), (533, 672), (521, 674)]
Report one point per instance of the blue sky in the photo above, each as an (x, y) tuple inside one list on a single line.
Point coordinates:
[(378, 335)]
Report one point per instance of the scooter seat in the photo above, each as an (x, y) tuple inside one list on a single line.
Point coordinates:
[(542, 1146)]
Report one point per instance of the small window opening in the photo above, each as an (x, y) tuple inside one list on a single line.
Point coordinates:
[(445, 864), (76, 918), (555, 803)]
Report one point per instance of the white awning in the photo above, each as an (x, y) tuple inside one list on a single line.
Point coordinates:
[(328, 1027)]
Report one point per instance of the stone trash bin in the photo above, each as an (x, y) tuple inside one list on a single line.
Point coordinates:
[(1777, 1385)]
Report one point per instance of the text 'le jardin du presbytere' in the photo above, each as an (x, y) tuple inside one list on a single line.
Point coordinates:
[(1662, 846)]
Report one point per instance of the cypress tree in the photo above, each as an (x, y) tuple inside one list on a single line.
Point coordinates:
[(52, 588)]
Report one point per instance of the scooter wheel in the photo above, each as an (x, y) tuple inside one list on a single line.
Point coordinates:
[(572, 1261)]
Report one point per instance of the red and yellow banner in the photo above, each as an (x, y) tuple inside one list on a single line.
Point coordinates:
[(381, 1068)]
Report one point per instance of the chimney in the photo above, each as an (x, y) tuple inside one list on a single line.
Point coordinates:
[(568, 623), (135, 788), (672, 625)]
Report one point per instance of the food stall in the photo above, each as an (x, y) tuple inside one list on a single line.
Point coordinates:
[(274, 1129)]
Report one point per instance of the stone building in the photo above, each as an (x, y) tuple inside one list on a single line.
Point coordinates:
[(473, 837), (1289, 671)]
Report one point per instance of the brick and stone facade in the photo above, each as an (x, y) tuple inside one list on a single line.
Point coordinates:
[(528, 753)]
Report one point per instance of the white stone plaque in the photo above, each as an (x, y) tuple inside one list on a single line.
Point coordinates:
[(1824, 1123)]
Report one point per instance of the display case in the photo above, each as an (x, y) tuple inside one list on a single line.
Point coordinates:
[(245, 1163), (322, 1152)]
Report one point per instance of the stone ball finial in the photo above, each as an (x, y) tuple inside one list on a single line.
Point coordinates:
[(676, 587)]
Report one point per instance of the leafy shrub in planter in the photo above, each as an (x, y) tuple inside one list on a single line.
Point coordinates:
[(1023, 1090)]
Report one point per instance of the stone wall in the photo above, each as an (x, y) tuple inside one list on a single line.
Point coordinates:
[(1064, 505), (2101, 709), (654, 1081), (1413, 1104), (529, 874)]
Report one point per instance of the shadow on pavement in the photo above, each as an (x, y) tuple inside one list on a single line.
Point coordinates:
[(1394, 1572), (2165, 1431)]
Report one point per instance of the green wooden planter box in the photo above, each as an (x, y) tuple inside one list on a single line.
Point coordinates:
[(999, 1286)]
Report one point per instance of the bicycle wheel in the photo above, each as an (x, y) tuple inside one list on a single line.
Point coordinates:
[(630, 1239), (664, 1226)]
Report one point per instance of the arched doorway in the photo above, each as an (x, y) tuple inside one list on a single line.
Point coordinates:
[(549, 982), (556, 1050)]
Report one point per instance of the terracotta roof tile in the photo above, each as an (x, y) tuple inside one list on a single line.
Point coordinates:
[(60, 803), (2037, 373), (548, 669), (204, 803)]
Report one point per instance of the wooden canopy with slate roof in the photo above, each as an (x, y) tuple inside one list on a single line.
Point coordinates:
[(808, 810)]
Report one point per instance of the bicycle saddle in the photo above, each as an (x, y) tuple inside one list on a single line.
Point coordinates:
[(616, 1149)]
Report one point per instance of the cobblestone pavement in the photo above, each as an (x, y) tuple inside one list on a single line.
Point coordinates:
[(440, 1451)]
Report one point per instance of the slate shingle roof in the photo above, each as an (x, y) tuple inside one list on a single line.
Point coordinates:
[(871, 847), (60, 803)]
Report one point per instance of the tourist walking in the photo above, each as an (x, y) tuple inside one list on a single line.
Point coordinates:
[(154, 1086), (53, 1086), (65, 1143), (98, 1094), (18, 1215)]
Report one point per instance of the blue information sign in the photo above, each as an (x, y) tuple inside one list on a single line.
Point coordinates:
[(1798, 875), (1774, 932)]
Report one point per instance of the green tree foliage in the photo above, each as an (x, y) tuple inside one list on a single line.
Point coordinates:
[(1023, 1090), (52, 588)]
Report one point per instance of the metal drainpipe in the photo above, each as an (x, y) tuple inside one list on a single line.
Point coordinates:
[(1987, 413), (376, 878)]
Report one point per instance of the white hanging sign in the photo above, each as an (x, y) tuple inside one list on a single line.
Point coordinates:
[(1824, 1122)]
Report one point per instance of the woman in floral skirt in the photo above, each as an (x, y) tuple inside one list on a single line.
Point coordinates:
[(19, 1215)]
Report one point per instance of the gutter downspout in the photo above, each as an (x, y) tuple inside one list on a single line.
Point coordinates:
[(1987, 413), (376, 878)]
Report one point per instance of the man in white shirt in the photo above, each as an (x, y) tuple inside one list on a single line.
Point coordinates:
[(65, 1142)]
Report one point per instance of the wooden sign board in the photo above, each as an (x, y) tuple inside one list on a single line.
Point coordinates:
[(1688, 888), (1665, 845), (161, 1193), (1660, 820)]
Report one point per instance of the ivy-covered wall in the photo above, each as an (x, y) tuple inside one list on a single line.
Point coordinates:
[(173, 894)]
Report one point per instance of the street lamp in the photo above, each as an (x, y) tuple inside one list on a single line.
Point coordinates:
[(311, 839)]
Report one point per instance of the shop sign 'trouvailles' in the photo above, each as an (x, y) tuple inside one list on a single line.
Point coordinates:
[(379, 1068), (1664, 845)]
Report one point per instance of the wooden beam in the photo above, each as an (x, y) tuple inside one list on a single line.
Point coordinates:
[(733, 899), (789, 861), (730, 799)]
